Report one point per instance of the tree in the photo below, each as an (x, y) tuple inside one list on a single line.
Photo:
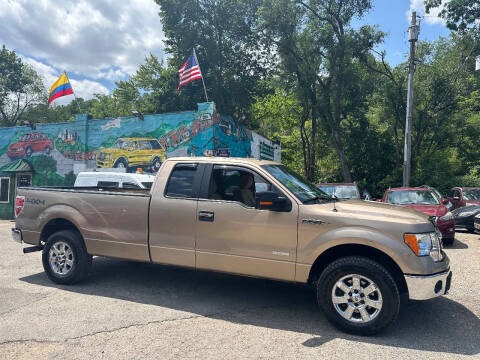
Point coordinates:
[(459, 14), (20, 88), (223, 34)]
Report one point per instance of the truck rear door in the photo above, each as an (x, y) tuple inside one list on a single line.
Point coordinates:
[(173, 213)]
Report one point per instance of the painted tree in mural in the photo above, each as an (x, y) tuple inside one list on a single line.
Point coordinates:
[(46, 166), (20, 88)]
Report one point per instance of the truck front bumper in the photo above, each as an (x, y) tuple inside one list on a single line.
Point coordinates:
[(423, 287), (17, 235)]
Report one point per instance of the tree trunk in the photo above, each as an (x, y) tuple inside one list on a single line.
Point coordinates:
[(337, 144)]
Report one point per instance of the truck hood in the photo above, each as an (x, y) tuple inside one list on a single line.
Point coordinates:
[(432, 210), (373, 209)]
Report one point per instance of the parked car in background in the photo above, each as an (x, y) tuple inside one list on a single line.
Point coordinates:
[(476, 222), (439, 195), (463, 196), (426, 201), (30, 143), (343, 191), (131, 152), (114, 180), (465, 217)]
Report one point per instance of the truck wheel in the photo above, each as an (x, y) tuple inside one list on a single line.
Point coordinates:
[(358, 295), (28, 151), (65, 258), (120, 163)]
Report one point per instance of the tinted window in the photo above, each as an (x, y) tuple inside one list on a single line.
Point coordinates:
[(144, 145), (471, 194), (180, 183), (4, 189), (127, 185), (155, 144), (147, 184), (108, 184)]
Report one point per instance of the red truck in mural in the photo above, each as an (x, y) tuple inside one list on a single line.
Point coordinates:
[(30, 143)]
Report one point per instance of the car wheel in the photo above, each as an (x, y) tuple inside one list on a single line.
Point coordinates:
[(65, 258), (156, 163), (28, 151), (358, 295), (448, 241), (471, 230), (121, 164), (47, 150)]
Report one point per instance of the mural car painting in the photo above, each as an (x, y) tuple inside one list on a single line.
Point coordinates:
[(30, 143), (130, 152)]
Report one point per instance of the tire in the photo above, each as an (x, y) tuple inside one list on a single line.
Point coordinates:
[(121, 163), (28, 151), (156, 163), (448, 241), (471, 230), (47, 150), (71, 244), (385, 296)]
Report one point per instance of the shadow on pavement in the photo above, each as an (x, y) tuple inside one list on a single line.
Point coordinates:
[(457, 244), (439, 325)]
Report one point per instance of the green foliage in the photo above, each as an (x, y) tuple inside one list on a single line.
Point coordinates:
[(46, 171), (459, 14), (20, 88)]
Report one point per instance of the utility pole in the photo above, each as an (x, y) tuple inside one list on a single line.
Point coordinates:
[(413, 31)]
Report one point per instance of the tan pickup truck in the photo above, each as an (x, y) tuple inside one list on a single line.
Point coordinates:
[(246, 217)]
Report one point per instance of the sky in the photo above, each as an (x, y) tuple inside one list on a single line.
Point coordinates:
[(98, 42)]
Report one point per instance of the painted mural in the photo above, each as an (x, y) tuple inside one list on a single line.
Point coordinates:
[(57, 152)]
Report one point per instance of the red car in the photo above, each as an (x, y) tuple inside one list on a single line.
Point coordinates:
[(463, 196), (426, 201), (28, 144)]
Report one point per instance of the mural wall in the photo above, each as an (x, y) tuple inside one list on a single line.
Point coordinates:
[(57, 152)]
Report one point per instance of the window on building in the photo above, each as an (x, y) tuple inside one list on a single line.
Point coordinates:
[(180, 183), (24, 180), (4, 189)]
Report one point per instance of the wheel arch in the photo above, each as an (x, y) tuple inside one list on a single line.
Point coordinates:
[(55, 225), (343, 250)]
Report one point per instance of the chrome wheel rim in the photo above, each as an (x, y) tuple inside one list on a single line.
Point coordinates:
[(60, 258), (357, 298), (121, 165)]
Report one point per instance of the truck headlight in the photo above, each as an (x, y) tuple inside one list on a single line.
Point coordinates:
[(447, 216), (426, 244)]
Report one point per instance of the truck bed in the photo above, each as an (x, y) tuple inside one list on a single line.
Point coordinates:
[(88, 189)]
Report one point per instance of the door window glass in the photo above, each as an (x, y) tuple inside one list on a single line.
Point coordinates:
[(181, 180), (4, 189), (234, 184)]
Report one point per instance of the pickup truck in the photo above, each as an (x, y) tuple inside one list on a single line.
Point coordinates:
[(248, 217)]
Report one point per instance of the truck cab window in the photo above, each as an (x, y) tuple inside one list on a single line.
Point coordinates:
[(108, 184), (181, 180), (235, 184)]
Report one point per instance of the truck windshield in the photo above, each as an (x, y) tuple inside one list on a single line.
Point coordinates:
[(419, 197), (306, 192)]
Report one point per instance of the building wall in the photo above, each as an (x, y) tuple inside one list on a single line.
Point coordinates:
[(59, 151)]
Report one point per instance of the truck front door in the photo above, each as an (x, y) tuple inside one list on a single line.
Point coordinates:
[(234, 236)]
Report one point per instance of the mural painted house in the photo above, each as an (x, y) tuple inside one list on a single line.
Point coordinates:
[(52, 154)]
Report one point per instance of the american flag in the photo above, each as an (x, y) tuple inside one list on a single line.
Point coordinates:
[(189, 71)]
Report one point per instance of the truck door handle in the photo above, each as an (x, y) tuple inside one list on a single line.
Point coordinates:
[(206, 216)]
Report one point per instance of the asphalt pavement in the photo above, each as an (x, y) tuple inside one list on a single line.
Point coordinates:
[(134, 310)]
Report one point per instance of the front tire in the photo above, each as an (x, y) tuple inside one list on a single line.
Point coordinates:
[(121, 164), (65, 258), (358, 295), (28, 151)]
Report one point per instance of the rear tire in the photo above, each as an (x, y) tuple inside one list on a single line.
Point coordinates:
[(65, 258), (375, 287)]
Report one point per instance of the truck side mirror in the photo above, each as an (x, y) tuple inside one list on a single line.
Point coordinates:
[(269, 200)]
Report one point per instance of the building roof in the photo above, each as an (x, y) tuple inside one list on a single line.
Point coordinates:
[(20, 165)]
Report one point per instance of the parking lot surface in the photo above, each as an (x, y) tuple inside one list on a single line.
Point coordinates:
[(135, 310)]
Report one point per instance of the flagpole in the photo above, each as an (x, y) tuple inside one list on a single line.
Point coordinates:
[(203, 82), (73, 92)]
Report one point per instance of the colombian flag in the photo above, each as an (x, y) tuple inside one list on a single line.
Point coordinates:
[(60, 88)]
